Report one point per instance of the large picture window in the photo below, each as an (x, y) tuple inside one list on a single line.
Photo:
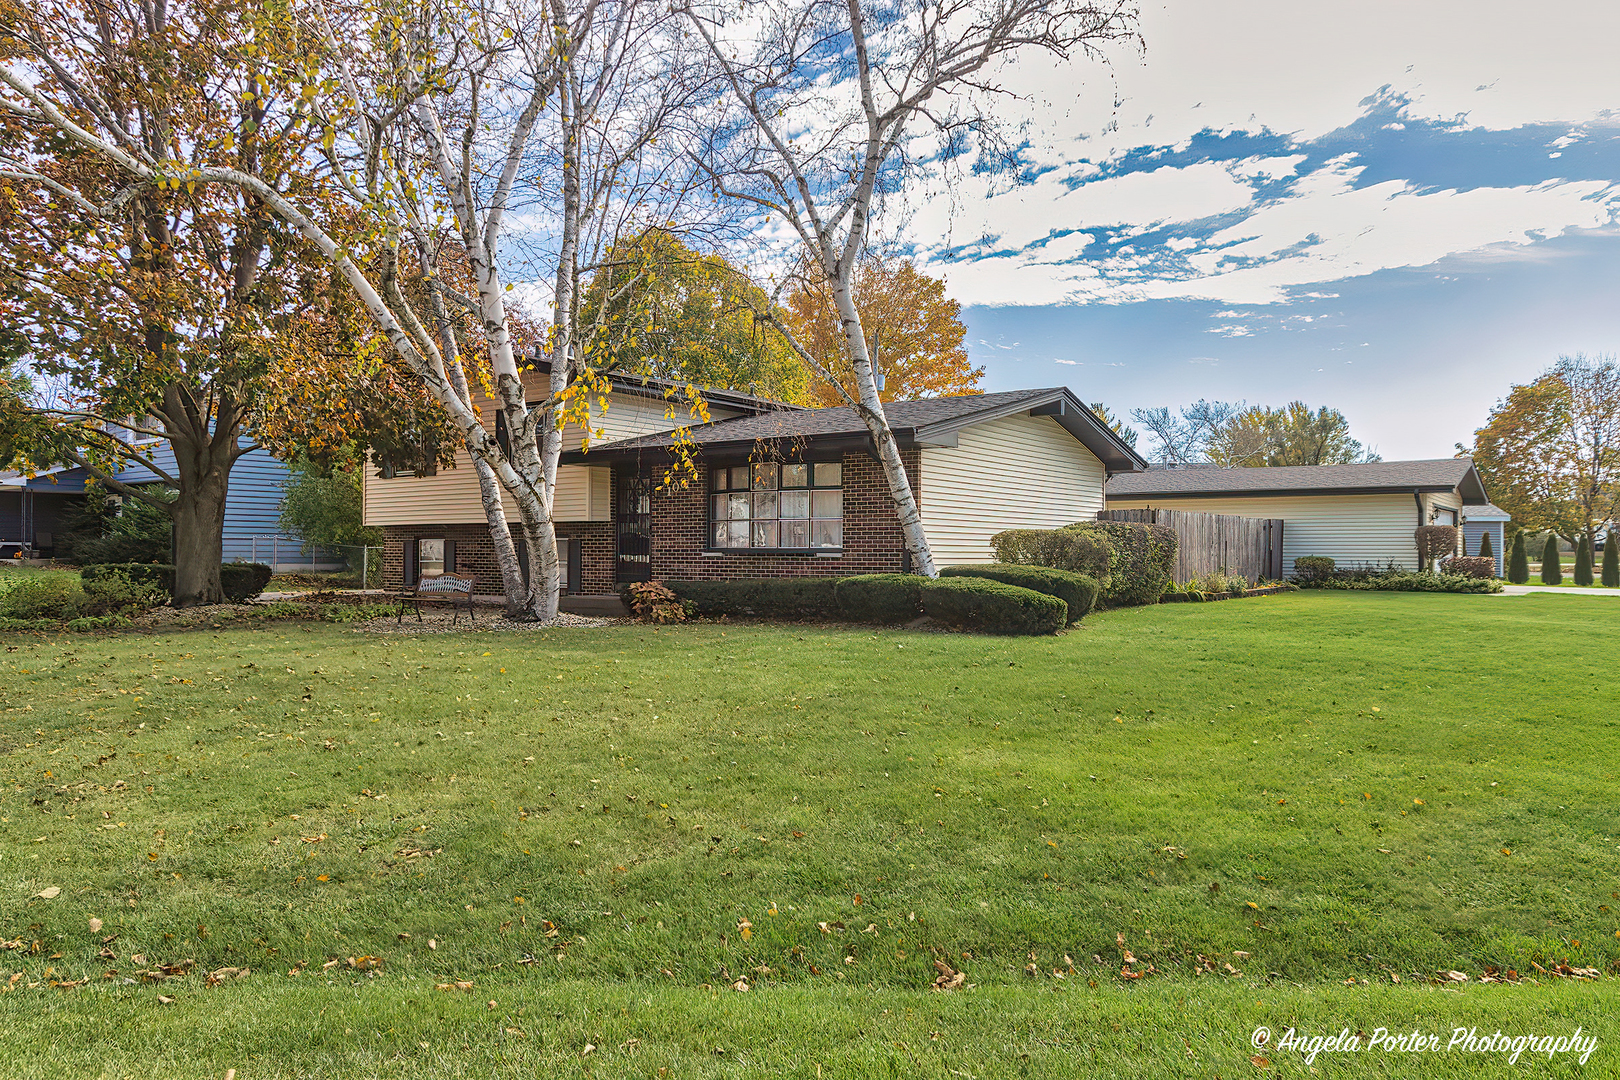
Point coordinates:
[(781, 507)]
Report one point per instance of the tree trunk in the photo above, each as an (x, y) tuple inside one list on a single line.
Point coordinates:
[(871, 412), (199, 524)]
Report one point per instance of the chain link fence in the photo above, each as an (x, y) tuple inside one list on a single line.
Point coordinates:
[(335, 566)]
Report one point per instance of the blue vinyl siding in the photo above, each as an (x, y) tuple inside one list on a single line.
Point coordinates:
[(252, 502), (1473, 531)]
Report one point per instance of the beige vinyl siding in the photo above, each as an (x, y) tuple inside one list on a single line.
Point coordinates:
[(1352, 529), (1446, 500), (1019, 472), (584, 492)]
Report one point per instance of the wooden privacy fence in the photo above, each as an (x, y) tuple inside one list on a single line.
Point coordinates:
[(1216, 543)]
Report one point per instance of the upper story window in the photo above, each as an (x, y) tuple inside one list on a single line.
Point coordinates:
[(781, 507)]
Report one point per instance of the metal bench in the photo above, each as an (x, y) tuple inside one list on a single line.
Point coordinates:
[(454, 589)]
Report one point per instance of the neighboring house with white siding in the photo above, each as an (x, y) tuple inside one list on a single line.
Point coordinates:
[(1355, 514)]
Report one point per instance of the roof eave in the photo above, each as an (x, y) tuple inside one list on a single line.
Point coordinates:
[(1239, 493)]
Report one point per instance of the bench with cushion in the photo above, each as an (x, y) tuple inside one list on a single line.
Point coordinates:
[(454, 589)]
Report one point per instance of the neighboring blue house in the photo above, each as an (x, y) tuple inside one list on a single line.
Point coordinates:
[(1481, 521), (31, 510)]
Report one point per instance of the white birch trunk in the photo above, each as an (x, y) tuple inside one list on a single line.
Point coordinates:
[(870, 410)]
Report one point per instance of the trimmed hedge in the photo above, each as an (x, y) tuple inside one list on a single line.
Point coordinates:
[(160, 574), (243, 581), (1138, 564), (880, 598), (1072, 549), (1078, 591), (1477, 566), (1611, 561), (1409, 582), (990, 606), (814, 596)]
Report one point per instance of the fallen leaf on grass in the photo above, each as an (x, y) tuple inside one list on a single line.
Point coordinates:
[(165, 1000), (1259, 1062), (226, 974), (49, 893), (95, 925), (949, 978)]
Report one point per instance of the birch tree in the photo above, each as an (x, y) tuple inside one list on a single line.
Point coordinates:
[(426, 125), (839, 100)]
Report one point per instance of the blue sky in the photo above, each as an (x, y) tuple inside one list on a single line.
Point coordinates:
[(1396, 212)]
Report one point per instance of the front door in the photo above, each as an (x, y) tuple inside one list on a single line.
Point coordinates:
[(633, 525)]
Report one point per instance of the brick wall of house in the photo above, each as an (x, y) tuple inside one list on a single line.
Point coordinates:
[(475, 553), (680, 521), (872, 540)]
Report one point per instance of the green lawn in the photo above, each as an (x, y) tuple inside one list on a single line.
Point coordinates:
[(603, 831)]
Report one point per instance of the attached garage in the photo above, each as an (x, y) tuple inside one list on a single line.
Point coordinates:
[(1355, 514)]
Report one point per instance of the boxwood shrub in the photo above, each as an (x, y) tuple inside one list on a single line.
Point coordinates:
[(880, 598), (1078, 591), (980, 604), (791, 597), (243, 581)]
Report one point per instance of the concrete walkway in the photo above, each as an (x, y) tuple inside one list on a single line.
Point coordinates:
[(1526, 590)]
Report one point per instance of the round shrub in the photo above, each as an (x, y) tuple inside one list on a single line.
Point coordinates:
[(1312, 570), (880, 598), (990, 606), (1078, 591), (243, 581)]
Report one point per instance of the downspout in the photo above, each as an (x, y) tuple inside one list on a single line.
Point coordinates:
[(1417, 497)]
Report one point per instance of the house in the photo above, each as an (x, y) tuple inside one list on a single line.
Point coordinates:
[(1479, 522), (32, 508), (778, 491), (1356, 514)]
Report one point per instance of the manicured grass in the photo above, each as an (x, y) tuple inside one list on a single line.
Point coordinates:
[(581, 822)]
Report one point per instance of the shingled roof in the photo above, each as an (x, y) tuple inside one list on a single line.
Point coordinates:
[(925, 422), (1436, 474)]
